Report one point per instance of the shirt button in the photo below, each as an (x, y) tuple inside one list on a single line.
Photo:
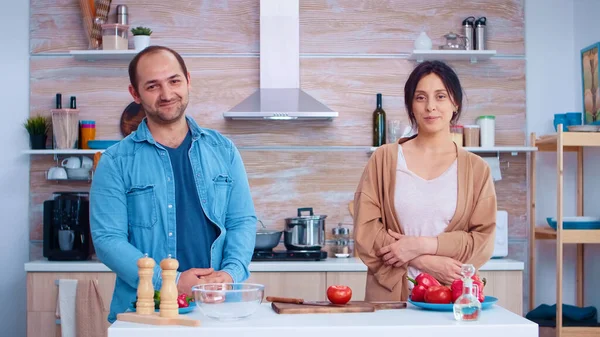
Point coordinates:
[(162, 153), (170, 233), (168, 179), (170, 206), (204, 201)]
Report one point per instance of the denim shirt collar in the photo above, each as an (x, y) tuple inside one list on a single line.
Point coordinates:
[(143, 134)]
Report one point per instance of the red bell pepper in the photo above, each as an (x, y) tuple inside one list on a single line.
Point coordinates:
[(422, 282), (438, 294), (457, 288), (427, 280)]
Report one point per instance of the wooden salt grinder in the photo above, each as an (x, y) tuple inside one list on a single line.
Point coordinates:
[(145, 291), (168, 291)]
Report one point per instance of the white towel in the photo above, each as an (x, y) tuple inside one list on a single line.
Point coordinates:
[(67, 293)]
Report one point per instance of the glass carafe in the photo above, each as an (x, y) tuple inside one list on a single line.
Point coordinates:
[(467, 307)]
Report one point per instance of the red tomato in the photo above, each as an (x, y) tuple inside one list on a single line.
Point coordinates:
[(339, 294)]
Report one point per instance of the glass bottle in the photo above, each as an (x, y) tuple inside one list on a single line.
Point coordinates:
[(341, 235), (379, 124), (467, 307)]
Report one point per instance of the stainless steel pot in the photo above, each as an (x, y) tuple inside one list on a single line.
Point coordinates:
[(304, 232), (266, 239)]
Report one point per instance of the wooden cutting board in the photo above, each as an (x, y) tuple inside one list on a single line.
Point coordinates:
[(352, 306)]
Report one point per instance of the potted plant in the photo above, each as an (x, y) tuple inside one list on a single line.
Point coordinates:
[(38, 128), (141, 37)]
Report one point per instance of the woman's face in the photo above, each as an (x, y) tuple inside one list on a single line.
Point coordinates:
[(432, 105)]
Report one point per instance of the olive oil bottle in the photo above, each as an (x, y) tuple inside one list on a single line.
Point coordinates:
[(379, 123)]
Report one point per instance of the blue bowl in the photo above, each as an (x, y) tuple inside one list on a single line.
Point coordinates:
[(576, 222), (488, 302), (101, 144), (574, 118)]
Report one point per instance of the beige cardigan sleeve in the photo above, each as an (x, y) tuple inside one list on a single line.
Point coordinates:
[(475, 245), (370, 234)]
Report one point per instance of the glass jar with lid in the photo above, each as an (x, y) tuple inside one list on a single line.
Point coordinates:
[(456, 131), (341, 237)]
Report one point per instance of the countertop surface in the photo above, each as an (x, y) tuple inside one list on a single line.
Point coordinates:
[(412, 321), (330, 264)]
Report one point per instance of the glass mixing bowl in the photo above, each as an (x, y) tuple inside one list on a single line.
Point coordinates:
[(228, 301)]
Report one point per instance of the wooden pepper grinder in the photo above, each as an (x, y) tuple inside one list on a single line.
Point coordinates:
[(168, 291), (145, 290)]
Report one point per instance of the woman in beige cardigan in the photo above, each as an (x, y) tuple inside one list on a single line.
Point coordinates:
[(424, 204)]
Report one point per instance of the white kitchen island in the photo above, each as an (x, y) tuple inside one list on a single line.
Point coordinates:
[(412, 321)]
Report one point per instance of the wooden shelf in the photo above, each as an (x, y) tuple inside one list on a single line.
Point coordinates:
[(93, 55), (569, 235), (580, 331), (65, 151), (545, 233), (451, 55), (560, 143), (495, 149), (571, 141)]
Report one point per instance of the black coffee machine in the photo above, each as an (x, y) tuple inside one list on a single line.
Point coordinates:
[(67, 227)]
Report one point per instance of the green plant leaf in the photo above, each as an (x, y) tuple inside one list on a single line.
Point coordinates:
[(38, 125), (141, 31)]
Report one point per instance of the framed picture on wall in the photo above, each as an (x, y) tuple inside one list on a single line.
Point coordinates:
[(590, 88)]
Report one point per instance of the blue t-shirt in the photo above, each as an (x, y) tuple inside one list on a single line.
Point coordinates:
[(195, 233)]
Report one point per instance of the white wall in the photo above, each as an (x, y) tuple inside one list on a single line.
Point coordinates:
[(14, 171), (555, 32), (587, 32)]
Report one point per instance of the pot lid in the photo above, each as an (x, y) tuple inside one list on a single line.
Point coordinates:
[(311, 215)]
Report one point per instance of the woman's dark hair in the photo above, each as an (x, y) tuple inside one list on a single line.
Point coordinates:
[(448, 77)]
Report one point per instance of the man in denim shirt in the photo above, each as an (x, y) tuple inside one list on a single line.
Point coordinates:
[(170, 188)]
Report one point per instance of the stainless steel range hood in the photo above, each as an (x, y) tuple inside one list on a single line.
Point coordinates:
[(280, 96)]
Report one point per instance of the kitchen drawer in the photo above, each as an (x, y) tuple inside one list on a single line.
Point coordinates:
[(357, 281), (44, 324), (42, 290), (42, 294), (507, 286), (307, 285)]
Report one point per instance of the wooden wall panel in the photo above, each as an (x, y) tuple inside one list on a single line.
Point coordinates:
[(206, 26), (342, 26), (387, 27), (348, 85)]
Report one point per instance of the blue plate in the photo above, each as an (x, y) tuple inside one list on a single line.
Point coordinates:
[(101, 144), (488, 302), (182, 311), (576, 222)]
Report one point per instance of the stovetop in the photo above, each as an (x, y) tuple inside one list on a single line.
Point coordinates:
[(289, 255)]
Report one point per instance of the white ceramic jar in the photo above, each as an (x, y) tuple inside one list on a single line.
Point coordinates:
[(423, 42), (487, 126)]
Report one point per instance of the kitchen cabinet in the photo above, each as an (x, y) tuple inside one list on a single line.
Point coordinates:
[(507, 287), (42, 293), (42, 290), (306, 285)]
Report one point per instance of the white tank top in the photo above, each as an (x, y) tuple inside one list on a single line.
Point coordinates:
[(424, 207)]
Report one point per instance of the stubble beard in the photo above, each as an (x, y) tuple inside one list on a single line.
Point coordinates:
[(157, 117)]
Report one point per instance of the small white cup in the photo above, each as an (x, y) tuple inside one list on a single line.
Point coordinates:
[(86, 162), (57, 173), (71, 162)]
